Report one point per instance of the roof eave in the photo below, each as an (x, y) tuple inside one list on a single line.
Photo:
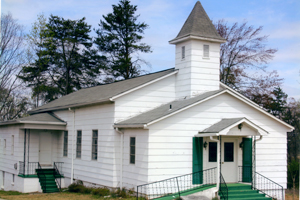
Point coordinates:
[(69, 106), (192, 37), (129, 125), (254, 105)]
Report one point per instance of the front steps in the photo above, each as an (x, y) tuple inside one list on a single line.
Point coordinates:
[(238, 191), (47, 182)]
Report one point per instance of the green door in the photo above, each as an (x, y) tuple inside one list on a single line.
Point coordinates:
[(247, 160), (197, 160)]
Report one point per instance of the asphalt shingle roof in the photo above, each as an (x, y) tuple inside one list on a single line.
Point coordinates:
[(101, 93), (198, 24), (38, 118), (164, 110), (221, 125)]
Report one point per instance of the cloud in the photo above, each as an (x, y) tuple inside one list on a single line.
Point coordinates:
[(290, 30)]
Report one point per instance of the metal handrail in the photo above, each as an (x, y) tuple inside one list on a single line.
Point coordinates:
[(177, 185), (57, 173), (44, 180), (223, 189), (27, 168), (267, 186)]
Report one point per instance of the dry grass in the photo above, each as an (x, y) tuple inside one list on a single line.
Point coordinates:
[(289, 195), (55, 196)]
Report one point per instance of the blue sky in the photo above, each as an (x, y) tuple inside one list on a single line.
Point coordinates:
[(280, 19)]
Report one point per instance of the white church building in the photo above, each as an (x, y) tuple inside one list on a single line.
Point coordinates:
[(147, 129)]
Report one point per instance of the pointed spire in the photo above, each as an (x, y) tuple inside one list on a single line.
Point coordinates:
[(198, 24)]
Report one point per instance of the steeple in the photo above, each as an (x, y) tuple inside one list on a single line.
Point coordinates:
[(199, 25), (197, 55)]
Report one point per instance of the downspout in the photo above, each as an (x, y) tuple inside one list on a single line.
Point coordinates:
[(24, 151), (254, 163), (218, 160), (28, 151), (72, 162), (121, 157)]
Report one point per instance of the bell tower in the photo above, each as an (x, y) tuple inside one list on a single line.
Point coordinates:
[(197, 55)]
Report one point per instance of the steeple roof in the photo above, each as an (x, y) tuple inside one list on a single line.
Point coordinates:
[(198, 24)]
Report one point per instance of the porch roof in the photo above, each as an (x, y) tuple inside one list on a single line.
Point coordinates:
[(41, 118), (224, 125)]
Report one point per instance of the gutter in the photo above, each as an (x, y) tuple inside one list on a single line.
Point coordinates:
[(68, 106), (72, 163), (121, 156), (187, 37)]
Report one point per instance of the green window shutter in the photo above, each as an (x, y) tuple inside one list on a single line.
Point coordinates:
[(197, 160), (247, 160)]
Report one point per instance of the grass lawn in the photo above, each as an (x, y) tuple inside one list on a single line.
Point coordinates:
[(11, 195), (289, 195), (53, 196)]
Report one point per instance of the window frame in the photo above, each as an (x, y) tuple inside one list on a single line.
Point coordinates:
[(78, 145), (65, 143), (182, 52), (205, 51), (132, 155), (209, 151), (94, 150), (12, 144), (226, 152)]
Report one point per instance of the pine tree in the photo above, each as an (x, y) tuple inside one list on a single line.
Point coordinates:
[(118, 37), (66, 60)]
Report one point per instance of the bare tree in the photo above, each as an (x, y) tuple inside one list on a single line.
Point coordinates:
[(11, 57), (243, 59)]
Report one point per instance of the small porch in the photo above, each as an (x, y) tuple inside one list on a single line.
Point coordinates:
[(42, 134)]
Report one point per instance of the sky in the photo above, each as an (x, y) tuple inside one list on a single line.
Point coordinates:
[(280, 20)]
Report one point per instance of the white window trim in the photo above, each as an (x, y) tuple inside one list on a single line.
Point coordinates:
[(80, 144), (12, 144), (183, 53), (203, 56), (134, 150), (64, 143), (96, 145)]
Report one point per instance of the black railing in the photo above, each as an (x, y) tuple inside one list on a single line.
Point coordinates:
[(27, 168), (57, 173), (42, 178), (177, 186), (223, 189), (245, 174), (267, 186), (59, 166)]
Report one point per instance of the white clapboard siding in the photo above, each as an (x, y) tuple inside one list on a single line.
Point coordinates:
[(135, 174), (179, 129), (145, 99), (196, 73), (105, 169)]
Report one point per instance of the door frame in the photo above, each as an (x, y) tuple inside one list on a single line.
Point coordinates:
[(234, 171), (41, 134)]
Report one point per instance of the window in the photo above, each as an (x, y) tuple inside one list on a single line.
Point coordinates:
[(4, 147), (212, 149), (78, 145), (228, 152), (65, 148), (12, 144), (183, 52), (206, 51), (13, 179), (132, 150), (94, 144)]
